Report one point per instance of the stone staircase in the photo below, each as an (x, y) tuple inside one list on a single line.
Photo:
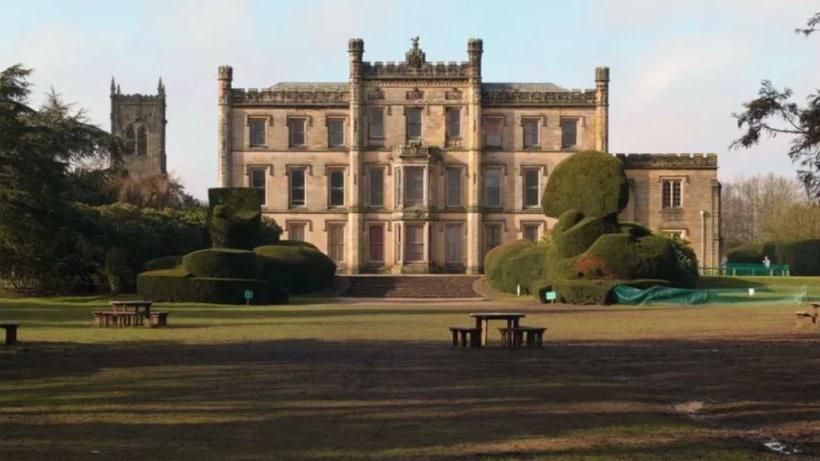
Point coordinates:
[(411, 286)]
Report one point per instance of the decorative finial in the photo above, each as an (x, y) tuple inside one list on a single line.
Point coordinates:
[(160, 86), (415, 41), (118, 89), (113, 85)]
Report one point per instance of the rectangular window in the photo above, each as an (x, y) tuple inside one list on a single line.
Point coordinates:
[(532, 189), (336, 242), (453, 244), (297, 187), (376, 123), (530, 128), (453, 185), (492, 187), (413, 186), (337, 187), (335, 132), (296, 232), (453, 130), (492, 131), (376, 244), (413, 119), (531, 232), (296, 127), (492, 236), (671, 193), (569, 133), (414, 243), (375, 182), (257, 131), (258, 181)]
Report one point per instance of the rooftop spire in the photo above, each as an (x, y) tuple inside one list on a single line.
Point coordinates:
[(161, 87)]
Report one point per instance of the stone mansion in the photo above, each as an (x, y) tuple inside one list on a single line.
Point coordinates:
[(418, 166)]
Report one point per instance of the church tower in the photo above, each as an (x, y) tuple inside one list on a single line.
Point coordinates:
[(139, 120)]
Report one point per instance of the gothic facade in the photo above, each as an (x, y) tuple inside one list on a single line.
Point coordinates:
[(139, 121), (420, 166)]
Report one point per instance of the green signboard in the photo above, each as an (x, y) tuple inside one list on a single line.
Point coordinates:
[(551, 296)]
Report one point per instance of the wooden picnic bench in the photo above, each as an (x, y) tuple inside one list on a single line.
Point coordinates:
[(130, 314), (516, 337), (466, 336), (482, 320), (11, 332), (803, 317)]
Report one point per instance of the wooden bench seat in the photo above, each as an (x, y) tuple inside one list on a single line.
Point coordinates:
[(515, 337), (466, 336), (11, 332), (158, 319)]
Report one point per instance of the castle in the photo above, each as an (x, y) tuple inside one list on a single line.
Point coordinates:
[(417, 166), (139, 121)]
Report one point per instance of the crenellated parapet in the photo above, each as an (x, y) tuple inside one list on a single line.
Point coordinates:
[(683, 161), (514, 97), (290, 97)]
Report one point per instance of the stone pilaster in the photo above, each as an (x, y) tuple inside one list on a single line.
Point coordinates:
[(602, 109), (224, 141), (355, 218), (475, 48)]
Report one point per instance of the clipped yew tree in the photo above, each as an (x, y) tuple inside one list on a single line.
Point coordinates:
[(235, 265), (589, 251)]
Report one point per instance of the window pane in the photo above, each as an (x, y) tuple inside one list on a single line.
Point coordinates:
[(335, 133), (569, 133), (376, 239), (413, 186), (492, 187), (492, 236), (413, 124), (296, 232), (531, 232), (142, 141), (376, 123), (531, 189), (336, 245), (297, 132), (453, 179), (676, 194), (257, 137), (492, 132), (297, 187), (376, 183), (454, 243), (530, 133), (414, 243), (453, 123), (258, 182), (337, 188)]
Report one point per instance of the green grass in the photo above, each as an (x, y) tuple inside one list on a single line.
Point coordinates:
[(373, 381)]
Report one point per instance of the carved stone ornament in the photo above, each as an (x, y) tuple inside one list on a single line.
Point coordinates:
[(454, 95), (375, 94), (415, 57), (415, 93), (415, 151)]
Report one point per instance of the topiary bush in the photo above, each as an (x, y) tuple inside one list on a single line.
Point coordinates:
[(575, 239), (298, 268), (221, 262), (591, 182), (494, 259), (177, 285), (234, 217), (164, 262), (527, 269)]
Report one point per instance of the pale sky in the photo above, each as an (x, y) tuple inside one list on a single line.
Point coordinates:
[(679, 69)]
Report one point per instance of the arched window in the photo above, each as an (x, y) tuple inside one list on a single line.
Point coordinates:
[(142, 141), (129, 140)]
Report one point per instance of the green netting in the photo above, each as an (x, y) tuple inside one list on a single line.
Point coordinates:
[(658, 295)]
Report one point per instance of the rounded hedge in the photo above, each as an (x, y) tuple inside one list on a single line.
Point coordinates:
[(625, 257), (299, 268), (528, 269), (494, 259), (221, 263), (575, 239), (175, 285), (591, 182), (234, 217), (164, 262)]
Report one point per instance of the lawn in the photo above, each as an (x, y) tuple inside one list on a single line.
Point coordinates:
[(373, 381)]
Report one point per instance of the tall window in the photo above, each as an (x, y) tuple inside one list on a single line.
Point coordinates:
[(130, 140), (337, 187), (376, 123), (296, 127), (569, 133), (335, 132), (258, 182), (297, 187), (531, 232), (413, 186), (453, 243), (530, 128), (142, 141), (492, 236), (492, 187), (672, 193), (375, 240), (492, 131), (413, 119), (257, 131), (453, 186), (532, 187), (296, 232), (375, 187), (414, 243), (453, 129), (336, 242)]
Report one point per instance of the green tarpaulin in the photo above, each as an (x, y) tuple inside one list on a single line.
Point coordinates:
[(625, 294)]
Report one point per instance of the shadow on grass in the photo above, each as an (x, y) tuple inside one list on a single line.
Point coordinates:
[(359, 400)]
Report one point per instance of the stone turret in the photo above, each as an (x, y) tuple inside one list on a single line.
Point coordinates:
[(602, 108), (225, 78), (139, 122)]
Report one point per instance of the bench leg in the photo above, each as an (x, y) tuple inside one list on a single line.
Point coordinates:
[(475, 340), (455, 337), (463, 335)]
